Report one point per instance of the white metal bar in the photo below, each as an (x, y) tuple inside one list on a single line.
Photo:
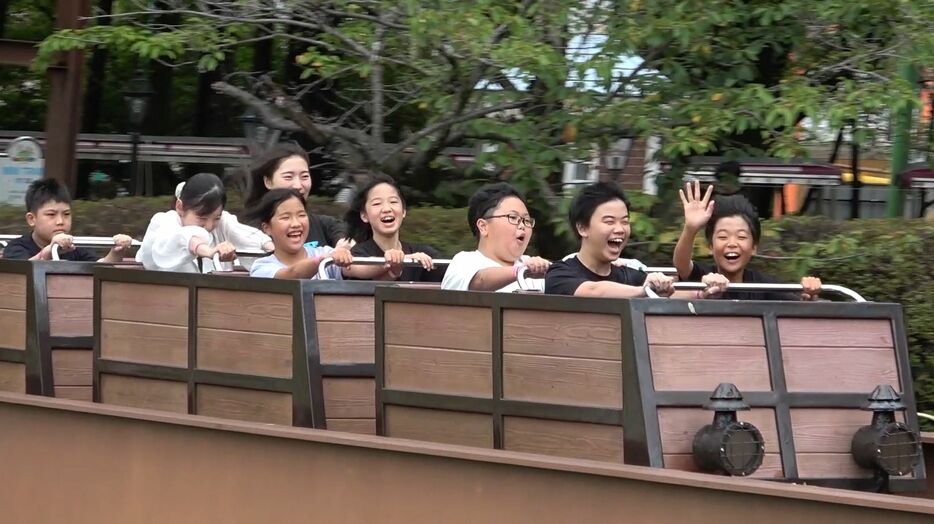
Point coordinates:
[(827, 288), (375, 261)]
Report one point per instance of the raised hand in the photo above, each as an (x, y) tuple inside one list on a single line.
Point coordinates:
[(697, 208), (811, 287)]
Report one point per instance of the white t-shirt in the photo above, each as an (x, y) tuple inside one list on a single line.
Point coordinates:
[(165, 246), (267, 267), (466, 264)]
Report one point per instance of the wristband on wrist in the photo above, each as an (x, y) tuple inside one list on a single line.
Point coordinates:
[(194, 244), (515, 271)]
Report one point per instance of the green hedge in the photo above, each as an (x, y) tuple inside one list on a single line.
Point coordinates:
[(884, 260)]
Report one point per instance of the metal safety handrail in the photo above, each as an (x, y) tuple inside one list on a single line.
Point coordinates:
[(90, 242), (826, 288), (376, 261)]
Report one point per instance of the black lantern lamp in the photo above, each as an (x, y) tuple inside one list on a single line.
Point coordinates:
[(137, 96), (728, 446), (253, 127), (886, 446)]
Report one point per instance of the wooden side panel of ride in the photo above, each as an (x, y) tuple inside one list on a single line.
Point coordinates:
[(626, 381), (284, 352), (164, 467), (46, 330)]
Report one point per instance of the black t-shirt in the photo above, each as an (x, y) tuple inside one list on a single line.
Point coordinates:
[(370, 248), (750, 276), (24, 248), (325, 230), (564, 277)]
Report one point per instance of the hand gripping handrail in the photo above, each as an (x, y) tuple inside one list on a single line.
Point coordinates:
[(826, 288), (375, 261), (90, 242)]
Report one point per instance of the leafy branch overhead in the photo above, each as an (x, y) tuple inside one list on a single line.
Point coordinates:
[(388, 85)]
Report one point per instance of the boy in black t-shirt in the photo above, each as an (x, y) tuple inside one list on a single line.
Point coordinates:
[(732, 228), (48, 212), (599, 217)]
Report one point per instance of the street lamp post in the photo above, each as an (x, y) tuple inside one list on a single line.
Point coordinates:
[(137, 97)]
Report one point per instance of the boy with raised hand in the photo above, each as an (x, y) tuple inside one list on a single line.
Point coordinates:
[(48, 213), (599, 217), (732, 228)]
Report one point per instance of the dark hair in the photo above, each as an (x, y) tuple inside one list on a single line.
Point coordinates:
[(727, 177), (203, 193), (266, 208), (264, 167), (589, 199), (357, 229), (486, 199), (731, 206), (43, 191)]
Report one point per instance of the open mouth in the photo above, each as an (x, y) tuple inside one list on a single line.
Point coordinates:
[(616, 243), (731, 256), (389, 219), (298, 234), (520, 237)]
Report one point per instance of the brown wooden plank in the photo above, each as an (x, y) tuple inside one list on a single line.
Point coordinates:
[(71, 317), (261, 354), (436, 425), (12, 329), (150, 303), (830, 465), (432, 325), (346, 342), (72, 367), (349, 397), (679, 425), (13, 291), (702, 368), (244, 404), (560, 380), (448, 371), (85, 393), (835, 332), (826, 430), (857, 370), (562, 334), (564, 439), (146, 393), (245, 311), (144, 343), (676, 330), (771, 464), (353, 308), (362, 426), (12, 377), (69, 286)]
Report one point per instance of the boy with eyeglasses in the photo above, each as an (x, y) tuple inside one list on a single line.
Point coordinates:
[(499, 219)]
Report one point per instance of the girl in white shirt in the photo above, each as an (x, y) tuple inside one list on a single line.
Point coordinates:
[(198, 227), (499, 218)]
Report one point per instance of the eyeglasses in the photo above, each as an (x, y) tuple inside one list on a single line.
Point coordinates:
[(515, 220)]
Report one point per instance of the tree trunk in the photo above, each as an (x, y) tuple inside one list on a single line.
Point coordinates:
[(97, 77)]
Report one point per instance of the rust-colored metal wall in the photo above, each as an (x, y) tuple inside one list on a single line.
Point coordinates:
[(75, 462)]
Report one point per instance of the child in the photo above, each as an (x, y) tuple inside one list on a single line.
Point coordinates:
[(198, 227), (286, 166), (732, 228), (283, 216), (599, 217), (374, 220), (499, 219), (48, 213)]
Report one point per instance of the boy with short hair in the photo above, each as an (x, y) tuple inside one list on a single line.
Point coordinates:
[(599, 217), (732, 228), (499, 218), (48, 213)]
